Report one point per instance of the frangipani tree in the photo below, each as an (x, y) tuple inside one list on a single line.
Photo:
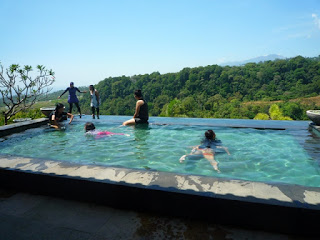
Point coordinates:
[(20, 90)]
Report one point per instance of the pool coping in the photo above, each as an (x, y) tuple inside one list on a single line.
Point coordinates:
[(22, 126), (314, 128), (268, 206)]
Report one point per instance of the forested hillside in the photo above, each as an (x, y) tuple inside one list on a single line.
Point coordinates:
[(215, 91)]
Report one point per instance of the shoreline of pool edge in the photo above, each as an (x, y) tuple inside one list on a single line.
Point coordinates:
[(281, 207)]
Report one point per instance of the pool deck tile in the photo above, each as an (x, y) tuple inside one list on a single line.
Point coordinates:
[(194, 183), (11, 162), (36, 165), (61, 168), (312, 197), (111, 174), (237, 188), (27, 216), (267, 191), (86, 171), (145, 178)]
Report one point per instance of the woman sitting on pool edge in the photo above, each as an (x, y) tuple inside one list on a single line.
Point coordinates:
[(209, 146), (90, 128), (141, 114), (58, 115)]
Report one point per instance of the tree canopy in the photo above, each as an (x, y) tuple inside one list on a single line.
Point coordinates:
[(215, 91)]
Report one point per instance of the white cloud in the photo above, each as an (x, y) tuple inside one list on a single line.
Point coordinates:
[(316, 20)]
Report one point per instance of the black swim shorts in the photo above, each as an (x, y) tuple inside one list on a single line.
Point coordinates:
[(140, 121)]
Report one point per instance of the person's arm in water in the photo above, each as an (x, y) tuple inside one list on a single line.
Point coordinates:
[(224, 148), (194, 149), (138, 105)]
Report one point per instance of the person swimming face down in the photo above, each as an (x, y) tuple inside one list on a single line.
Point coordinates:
[(210, 135), (89, 126)]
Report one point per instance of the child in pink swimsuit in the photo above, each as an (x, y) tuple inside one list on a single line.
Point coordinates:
[(90, 129)]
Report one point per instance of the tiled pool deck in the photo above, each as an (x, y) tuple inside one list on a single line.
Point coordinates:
[(284, 208)]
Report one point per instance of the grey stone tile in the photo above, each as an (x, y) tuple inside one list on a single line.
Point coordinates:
[(12, 162), (265, 191), (87, 172), (14, 228), (144, 178), (122, 225), (20, 203), (194, 183), (37, 165), (69, 214), (60, 168), (235, 187), (61, 233), (111, 174)]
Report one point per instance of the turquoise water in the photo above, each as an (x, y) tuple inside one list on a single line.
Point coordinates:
[(287, 156)]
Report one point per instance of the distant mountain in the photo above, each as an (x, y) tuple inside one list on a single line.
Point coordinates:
[(270, 57)]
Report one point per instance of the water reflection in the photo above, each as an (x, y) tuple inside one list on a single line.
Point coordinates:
[(141, 134)]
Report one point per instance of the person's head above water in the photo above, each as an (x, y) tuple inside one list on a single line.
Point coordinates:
[(210, 135), (137, 93), (89, 126)]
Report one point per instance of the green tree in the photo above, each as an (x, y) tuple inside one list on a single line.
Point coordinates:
[(20, 90), (262, 116), (293, 110)]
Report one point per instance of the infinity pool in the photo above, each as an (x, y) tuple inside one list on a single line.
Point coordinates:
[(267, 151)]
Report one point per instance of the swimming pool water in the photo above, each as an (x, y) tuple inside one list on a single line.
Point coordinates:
[(287, 156)]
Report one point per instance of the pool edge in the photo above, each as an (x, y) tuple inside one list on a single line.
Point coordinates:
[(170, 194), (21, 126)]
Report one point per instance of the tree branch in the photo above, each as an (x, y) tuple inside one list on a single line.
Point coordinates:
[(18, 97)]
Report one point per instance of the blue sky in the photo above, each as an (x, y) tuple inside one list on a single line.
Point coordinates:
[(87, 41)]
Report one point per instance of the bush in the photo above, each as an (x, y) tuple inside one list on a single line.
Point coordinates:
[(262, 116), (32, 113)]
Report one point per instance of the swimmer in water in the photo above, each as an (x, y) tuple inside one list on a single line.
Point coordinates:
[(209, 146), (90, 128)]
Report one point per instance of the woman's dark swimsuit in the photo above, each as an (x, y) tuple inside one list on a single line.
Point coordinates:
[(143, 113), (58, 117), (206, 143), (72, 98)]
